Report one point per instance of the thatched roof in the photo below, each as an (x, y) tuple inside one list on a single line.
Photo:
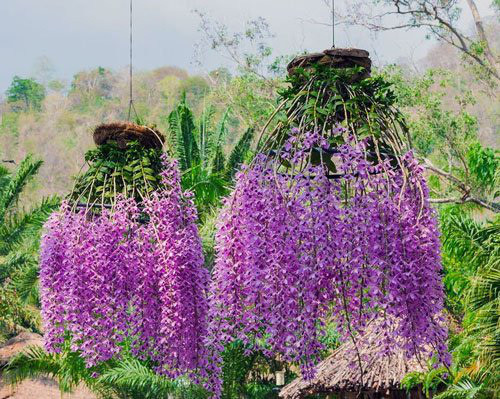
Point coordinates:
[(341, 371), (123, 132)]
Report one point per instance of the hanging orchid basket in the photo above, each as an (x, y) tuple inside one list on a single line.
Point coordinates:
[(331, 222), (121, 262)]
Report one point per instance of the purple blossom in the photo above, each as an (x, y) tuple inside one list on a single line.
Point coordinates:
[(110, 278), (294, 249)]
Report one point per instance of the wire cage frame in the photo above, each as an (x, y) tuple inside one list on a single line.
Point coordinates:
[(332, 89), (127, 162)]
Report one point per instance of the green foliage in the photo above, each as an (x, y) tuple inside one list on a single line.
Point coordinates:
[(319, 97), (92, 88), (471, 257), (181, 122), (126, 378), (67, 368), (466, 389), (132, 378), (16, 315), (433, 128), (248, 375), (239, 153), (25, 94), (12, 187), (199, 146), (445, 133), (19, 233), (133, 172), (251, 98), (483, 165), (430, 381)]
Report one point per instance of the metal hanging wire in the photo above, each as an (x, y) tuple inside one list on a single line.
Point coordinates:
[(131, 105)]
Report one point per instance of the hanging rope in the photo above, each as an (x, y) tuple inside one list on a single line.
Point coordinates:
[(333, 23), (131, 98)]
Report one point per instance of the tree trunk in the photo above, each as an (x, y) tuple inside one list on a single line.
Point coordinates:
[(482, 35)]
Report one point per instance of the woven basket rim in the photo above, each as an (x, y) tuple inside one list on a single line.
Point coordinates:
[(125, 132)]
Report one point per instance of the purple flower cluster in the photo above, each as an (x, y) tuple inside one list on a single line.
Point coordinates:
[(295, 248), (113, 279)]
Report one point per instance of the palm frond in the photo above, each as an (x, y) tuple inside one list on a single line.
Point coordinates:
[(218, 161), (465, 389), (15, 315), (67, 368), (239, 153), (13, 188), (33, 362), (221, 131), (21, 226), (25, 283), (205, 133), (136, 379), (217, 158), (4, 177), (13, 262), (208, 187), (469, 240), (182, 128)]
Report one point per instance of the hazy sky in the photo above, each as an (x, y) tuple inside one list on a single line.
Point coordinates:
[(79, 34)]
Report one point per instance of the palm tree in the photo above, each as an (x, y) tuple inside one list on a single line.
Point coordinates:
[(199, 147), (19, 234)]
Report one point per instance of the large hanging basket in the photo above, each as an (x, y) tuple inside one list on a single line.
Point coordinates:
[(331, 221), (121, 264), (331, 89)]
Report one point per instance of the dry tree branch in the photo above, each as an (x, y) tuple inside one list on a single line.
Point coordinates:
[(462, 187), (437, 16)]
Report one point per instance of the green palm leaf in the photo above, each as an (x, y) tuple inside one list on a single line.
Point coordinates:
[(20, 226), (67, 368), (137, 380), (239, 153), (16, 183), (182, 127)]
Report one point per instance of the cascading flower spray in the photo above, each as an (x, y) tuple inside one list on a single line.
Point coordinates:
[(296, 249), (129, 276)]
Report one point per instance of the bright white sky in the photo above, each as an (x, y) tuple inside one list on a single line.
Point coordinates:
[(79, 34)]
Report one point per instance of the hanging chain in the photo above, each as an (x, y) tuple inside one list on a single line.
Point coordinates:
[(131, 98)]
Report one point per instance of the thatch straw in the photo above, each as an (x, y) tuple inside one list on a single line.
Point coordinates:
[(341, 373), (122, 133)]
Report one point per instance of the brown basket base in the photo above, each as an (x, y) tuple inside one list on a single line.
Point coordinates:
[(122, 133), (336, 57)]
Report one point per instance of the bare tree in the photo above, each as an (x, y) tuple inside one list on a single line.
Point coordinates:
[(439, 17), (247, 49)]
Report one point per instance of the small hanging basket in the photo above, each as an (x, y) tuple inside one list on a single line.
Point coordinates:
[(126, 163), (122, 133)]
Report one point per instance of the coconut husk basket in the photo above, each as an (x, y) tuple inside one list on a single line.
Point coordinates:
[(122, 133)]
